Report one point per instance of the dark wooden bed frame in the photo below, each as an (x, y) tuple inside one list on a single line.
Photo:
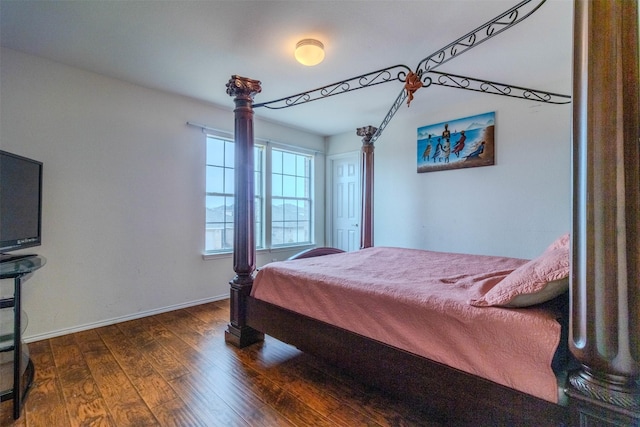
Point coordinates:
[(604, 295)]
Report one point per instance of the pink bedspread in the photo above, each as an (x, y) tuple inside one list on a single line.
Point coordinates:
[(418, 301)]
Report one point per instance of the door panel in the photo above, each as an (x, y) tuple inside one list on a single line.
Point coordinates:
[(346, 203)]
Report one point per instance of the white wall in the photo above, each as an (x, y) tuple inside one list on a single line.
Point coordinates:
[(515, 208), (123, 209)]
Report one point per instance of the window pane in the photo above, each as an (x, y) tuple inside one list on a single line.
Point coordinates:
[(304, 210), (229, 151), (214, 180), (276, 185), (257, 177), (290, 232), (277, 212), (215, 152), (276, 161), (277, 234), (258, 210), (307, 188), (304, 232), (301, 168), (259, 223), (228, 211), (259, 233), (288, 163), (215, 228), (301, 187), (257, 183), (229, 179), (215, 208), (257, 158), (228, 237), (214, 238), (288, 186), (290, 211)]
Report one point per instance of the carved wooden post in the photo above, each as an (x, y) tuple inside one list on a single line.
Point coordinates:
[(605, 275), (366, 172), (244, 250)]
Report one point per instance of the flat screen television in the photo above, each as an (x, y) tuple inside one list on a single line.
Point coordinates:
[(20, 204)]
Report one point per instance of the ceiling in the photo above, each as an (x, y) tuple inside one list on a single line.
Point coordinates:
[(192, 48)]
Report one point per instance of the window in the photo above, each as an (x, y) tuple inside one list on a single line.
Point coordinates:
[(290, 198), (219, 203), (288, 178)]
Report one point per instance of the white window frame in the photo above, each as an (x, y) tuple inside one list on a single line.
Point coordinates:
[(296, 176), (263, 203)]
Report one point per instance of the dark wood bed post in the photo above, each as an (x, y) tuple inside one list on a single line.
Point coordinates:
[(605, 289), (244, 249), (366, 172)]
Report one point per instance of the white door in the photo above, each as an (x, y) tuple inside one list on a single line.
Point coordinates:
[(345, 202)]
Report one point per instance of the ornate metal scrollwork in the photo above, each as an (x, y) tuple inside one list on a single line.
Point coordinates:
[(392, 112), (428, 77), (487, 86), (481, 34), (385, 75)]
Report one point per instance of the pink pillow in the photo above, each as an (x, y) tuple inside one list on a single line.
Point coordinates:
[(535, 282), (561, 242)]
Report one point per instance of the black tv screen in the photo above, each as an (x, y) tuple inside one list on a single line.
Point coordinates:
[(20, 202)]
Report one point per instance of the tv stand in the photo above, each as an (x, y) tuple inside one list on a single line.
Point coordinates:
[(14, 257), (17, 269)]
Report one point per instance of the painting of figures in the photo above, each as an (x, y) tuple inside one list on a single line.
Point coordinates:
[(456, 144)]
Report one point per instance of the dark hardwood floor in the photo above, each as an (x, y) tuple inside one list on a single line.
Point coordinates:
[(174, 369)]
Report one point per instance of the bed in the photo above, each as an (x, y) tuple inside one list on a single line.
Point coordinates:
[(432, 304), (601, 311)]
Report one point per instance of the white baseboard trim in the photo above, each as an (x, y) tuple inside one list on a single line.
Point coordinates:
[(85, 327)]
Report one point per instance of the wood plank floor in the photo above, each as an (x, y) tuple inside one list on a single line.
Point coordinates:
[(174, 369)]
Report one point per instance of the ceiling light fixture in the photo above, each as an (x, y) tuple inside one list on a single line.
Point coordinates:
[(309, 52)]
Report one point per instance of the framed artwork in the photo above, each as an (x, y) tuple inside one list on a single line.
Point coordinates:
[(455, 144)]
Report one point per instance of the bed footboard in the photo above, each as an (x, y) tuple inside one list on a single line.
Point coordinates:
[(455, 397)]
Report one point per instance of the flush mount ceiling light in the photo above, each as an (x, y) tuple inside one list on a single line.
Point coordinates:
[(309, 52)]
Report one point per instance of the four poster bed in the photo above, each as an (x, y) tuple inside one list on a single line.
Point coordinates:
[(585, 372)]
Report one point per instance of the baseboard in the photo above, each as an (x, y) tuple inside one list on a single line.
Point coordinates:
[(85, 327)]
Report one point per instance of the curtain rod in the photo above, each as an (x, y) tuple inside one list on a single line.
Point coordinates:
[(228, 134), (209, 128)]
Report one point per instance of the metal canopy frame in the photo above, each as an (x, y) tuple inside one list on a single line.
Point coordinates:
[(424, 71)]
